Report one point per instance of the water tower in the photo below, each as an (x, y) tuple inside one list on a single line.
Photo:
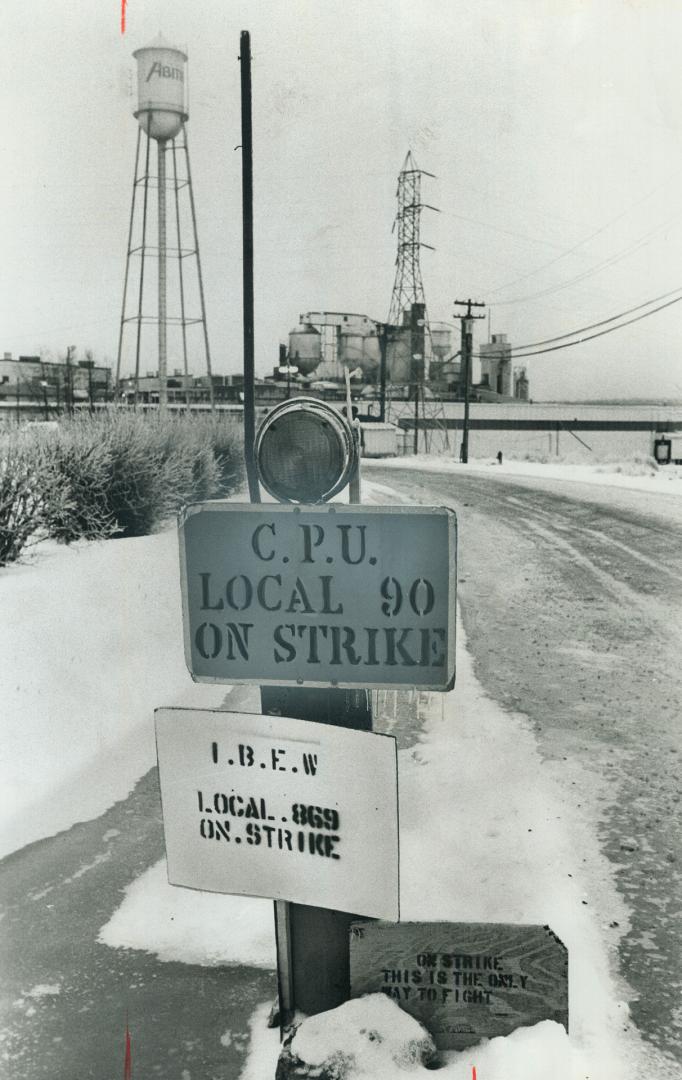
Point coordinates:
[(162, 116)]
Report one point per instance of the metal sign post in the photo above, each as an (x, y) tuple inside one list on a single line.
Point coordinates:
[(313, 965)]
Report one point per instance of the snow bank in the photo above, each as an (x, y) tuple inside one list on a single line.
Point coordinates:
[(182, 926), (372, 1039), (91, 644), (263, 1047), (367, 1037)]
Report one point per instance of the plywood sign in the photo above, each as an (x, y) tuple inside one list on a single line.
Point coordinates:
[(463, 981)]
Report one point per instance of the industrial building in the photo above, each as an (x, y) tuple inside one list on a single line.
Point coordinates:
[(408, 356), (325, 343), (497, 374), (53, 385)]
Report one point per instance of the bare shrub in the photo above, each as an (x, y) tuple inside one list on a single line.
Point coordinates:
[(29, 494), (82, 463), (145, 480), (119, 473), (185, 445), (227, 451), (131, 471)]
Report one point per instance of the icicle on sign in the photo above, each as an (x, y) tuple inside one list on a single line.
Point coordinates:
[(331, 596), (464, 981)]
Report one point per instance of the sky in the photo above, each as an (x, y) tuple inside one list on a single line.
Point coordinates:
[(553, 129)]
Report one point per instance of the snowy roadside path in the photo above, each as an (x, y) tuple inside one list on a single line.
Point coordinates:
[(91, 644), (626, 475)]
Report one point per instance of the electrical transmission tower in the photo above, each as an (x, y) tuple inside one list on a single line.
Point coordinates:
[(408, 287), (408, 312)]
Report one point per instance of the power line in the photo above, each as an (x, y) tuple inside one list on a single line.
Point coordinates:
[(601, 333), (602, 322), (584, 274), (497, 228), (586, 239)]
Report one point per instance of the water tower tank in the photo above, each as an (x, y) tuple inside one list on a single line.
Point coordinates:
[(305, 348), (161, 108)]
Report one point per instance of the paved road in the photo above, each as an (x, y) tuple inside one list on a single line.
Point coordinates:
[(573, 613), (63, 995)]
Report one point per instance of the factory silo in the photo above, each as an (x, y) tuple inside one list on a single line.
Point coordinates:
[(371, 353), (441, 341), (305, 347), (399, 362), (351, 346), (359, 348)]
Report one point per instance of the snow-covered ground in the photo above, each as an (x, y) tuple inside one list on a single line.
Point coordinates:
[(636, 474), (91, 643), (636, 483)]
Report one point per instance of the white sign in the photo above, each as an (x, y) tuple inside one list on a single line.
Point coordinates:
[(281, 808), (329, 595)]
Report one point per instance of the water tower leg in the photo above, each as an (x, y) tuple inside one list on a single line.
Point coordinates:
[(199, 275), (183, 320), (163, 379), (125, 279), (143, 255)]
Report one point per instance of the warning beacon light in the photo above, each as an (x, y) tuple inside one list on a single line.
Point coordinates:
[(305, 451)]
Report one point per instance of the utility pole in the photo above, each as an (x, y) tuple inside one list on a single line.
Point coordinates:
[(68, 394), (415, 438), (382, 332), (91, 390), (417, 363), (467, 341), (247, 266)]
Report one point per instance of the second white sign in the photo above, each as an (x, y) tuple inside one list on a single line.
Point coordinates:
[(280, 808)]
